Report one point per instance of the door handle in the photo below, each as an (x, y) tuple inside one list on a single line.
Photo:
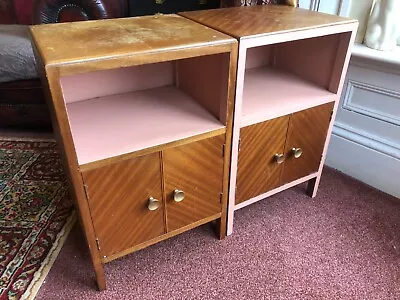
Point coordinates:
[(297, 152), (179, 195), (153, 204)]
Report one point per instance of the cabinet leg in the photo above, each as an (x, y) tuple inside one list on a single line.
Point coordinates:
[(312, 186), (100, 277), (220, 228)]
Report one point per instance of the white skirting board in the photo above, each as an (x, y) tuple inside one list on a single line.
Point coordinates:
[(370, 161)]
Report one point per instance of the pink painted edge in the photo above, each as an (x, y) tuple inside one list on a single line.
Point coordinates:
[(260, 40), (337, 100), (274, 191), (235, 137)]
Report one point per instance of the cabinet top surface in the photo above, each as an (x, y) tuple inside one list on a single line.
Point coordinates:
[(102, 39), (247, 21)]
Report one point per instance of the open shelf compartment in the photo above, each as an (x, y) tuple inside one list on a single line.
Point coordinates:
[(283, 78), (119, 111)]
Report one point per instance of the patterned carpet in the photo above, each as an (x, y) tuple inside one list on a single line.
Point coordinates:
[(35, 215)]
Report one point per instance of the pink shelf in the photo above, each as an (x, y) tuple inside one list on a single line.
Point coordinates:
[(113, 125), (269, 93)]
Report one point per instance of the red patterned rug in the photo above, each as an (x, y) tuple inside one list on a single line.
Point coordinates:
[(35, 215)]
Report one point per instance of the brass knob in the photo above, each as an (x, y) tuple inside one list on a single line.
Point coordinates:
[(160, 1), (179, 195), (279, 158), (297, 152), (153, 204)]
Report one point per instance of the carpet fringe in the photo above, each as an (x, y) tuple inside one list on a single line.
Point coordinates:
[(41, 274), (26, 139)]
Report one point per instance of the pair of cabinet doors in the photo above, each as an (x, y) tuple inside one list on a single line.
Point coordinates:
[(281, 150), (121, 195)]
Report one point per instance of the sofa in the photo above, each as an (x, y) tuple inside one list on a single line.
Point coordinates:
[(22, 103)]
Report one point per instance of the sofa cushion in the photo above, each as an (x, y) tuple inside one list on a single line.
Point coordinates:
[(16, 54)]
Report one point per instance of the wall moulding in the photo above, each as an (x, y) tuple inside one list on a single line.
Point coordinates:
[(367, 140), (376, 112)]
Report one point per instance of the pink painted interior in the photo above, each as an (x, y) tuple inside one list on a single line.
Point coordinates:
[(269, 93), (114, 125), (109, 82), (259, 56), (205, 78), (340, 63), (118, 111), (287, 77), (311, 59)]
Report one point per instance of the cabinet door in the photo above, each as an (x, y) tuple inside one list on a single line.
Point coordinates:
[(118, 197), (197, 170), (258, 170), (307, 131)]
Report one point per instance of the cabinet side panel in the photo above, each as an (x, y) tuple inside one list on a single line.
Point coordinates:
[(312, 59), (116, 81), (52, 89), (340, 62), (118, 197), (197, 170), (307, 131), (258, 172), (205, 78)]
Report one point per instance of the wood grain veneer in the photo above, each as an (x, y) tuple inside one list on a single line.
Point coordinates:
[(161, 238), (118, 196), (251, 21), (125, 37), (258, 172), (197, 169), (307, 130)]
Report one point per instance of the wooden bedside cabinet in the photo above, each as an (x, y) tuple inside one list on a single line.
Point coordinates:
[(143, 109), (291, 67)]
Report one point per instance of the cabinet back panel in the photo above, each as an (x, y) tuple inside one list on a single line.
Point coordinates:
[(311, 59), (205, 79), (116, 81)]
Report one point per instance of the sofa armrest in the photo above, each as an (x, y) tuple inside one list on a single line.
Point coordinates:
[(57, 11), (7, 12)]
